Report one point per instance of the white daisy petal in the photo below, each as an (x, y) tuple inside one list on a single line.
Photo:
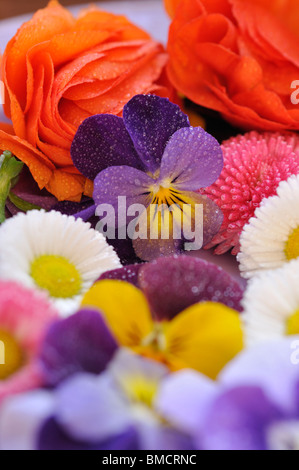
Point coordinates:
[(264, 239), (270, 301), (27, 237)]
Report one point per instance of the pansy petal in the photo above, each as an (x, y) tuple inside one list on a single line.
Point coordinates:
[(90, 409), (81, 342), (192, 160), (20, 418), (102, 141), (165, 438), (239, 420), (116, 183), (154, 234), (212, 215), (184, 398), (126, 273), (192, 280), (52, 437), (125, 310), (151, 121), (205, 337), (267, 365), (128, 367)]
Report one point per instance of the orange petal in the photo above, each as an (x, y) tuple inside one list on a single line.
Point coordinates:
[(40, 167), (65, 185)]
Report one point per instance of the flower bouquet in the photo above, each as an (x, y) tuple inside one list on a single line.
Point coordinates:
[(149, 230)]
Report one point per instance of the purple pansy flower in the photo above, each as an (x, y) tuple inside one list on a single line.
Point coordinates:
[(174, 283), (254, 405), (80, 343), (152, 156), (120, 409), (258, 407)]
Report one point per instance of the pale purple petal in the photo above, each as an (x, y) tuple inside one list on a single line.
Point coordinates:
[(175, 283), (184, 399), (270, 366), (128, 366), (212, 216), (21, 417), (90, 409), (120, 181), (161, 437), (239, 420), (79, 343), (151, 121), (154, 236), (192, 160), (100, 142)]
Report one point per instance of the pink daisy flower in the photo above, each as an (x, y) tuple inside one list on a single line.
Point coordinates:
[(254, 165), (24, 318)]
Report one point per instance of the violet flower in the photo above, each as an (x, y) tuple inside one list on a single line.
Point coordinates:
[(254, 405), (151, 156), (120, 409), (192, 280), (80, 343)]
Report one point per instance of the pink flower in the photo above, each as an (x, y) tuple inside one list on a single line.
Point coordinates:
[(24, 318), (254, 165)]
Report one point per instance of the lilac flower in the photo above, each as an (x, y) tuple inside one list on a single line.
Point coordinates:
[(192, 280), (121, 408), (151, 156)]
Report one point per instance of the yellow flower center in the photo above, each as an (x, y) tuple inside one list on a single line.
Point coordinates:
[(11, 355), (141, 390), (166, 195), (292, 245), (293, 324), (156, 339), (56, 275)]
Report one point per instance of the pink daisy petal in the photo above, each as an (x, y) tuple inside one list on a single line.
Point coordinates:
[(254, 165), (25, 316)]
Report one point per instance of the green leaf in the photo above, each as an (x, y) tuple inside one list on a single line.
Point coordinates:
[(10, 168)]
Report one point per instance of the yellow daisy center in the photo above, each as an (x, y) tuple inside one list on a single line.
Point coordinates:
[(11, 355), (292, 245), (56, 275), (293, 324)]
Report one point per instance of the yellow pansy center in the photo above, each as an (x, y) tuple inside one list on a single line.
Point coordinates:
[(292, 245), (140, 389), (165, 194), (57, 275), (156, 339), (11, 355), (293, 324)]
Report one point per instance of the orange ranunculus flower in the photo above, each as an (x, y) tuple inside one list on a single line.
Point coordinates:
[(238, 57), (59, 70)]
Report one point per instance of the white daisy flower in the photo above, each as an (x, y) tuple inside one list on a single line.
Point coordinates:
[(271, 304), (55, 253), (271, 238)]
